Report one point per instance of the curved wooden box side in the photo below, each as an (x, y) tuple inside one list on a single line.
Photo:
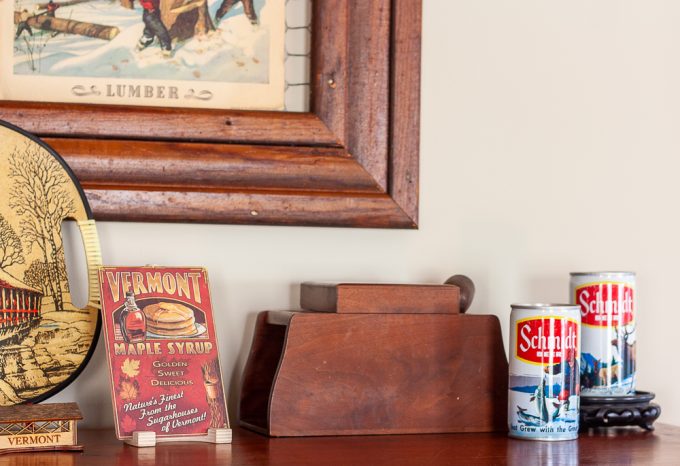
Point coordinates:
[(260, 372), (376, 374)]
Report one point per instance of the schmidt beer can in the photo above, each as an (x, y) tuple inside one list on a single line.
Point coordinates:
[(543, 388), (607, 303)]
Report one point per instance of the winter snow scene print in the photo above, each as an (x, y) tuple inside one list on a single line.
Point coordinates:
[(173, 53)]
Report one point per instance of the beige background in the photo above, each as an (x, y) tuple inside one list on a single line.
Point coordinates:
[(550, 136)]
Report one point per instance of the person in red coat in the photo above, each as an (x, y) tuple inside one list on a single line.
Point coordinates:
[(154, 27), (52, 8)]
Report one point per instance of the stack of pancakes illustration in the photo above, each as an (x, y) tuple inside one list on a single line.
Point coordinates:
[(170, 319)]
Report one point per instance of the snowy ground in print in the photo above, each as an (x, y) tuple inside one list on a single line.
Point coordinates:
[(236, 51), (49, 354)]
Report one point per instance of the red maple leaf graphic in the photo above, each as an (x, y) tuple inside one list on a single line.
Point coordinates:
[(128, 425)]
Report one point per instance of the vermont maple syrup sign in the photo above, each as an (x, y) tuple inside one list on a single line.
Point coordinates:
[(162, 351), (45, 341)]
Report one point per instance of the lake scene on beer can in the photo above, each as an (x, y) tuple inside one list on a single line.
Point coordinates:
[(607, 303), (543, 389)]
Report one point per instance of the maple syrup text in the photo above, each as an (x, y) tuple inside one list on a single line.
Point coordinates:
[(174, 347)]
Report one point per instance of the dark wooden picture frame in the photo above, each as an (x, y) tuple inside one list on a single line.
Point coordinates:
[(351, 161)]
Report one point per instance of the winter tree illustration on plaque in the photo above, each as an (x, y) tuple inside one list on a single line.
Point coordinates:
[(44, 338)]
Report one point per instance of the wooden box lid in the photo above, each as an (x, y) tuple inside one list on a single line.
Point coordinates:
[(452, 297), (40, 412)]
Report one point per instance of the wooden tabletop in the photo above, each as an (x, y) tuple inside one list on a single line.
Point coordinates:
[(621, 446)]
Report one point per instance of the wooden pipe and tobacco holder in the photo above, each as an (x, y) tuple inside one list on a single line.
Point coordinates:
[(376, 359)]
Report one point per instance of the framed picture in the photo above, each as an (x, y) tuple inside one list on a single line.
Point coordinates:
[(167, 53), (352, 160)]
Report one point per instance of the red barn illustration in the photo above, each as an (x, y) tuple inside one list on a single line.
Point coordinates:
[(19, 309)]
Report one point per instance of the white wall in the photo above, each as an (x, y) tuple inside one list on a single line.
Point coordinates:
[(550, 136)]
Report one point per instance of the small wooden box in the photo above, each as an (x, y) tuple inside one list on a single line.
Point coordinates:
[(314, 373), (39, 427)]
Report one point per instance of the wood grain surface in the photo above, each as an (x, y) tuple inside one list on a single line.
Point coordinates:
[(351, 374), (93, 122), (248, 207), (368, 74), (40, 412), (614, 446), (377, 298), (405, 115), (329, 66), (351, 161), (203, 166)]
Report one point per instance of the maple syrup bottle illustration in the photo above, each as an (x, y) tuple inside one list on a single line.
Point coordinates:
[(132, 321)]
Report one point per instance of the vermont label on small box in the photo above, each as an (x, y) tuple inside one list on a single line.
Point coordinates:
[(162, 351), (50, 426)]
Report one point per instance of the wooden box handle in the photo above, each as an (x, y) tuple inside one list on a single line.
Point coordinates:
[(467, 290)]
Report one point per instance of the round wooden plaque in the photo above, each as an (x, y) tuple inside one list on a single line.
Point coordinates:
[(45, 341)]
